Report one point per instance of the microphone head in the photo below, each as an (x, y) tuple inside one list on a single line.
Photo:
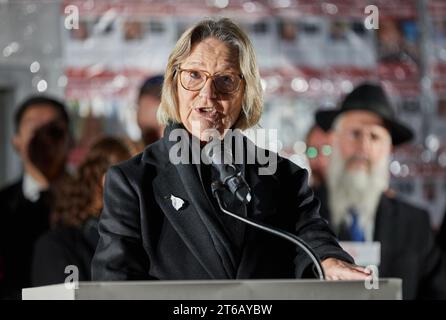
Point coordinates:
[(220, 156), (243, 194)]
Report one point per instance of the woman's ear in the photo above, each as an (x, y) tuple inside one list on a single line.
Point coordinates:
[(103, 180)]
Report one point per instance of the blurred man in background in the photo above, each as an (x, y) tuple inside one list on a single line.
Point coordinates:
[(441, 236), (318, 152), (41, 135), (149, 99), (359, 205)]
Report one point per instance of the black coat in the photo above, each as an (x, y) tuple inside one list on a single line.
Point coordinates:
[(21, 223), (408, 249), (142, 236), (62, 247)]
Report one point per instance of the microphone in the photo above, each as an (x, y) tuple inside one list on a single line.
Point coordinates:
[(217, 186), (229, 175)]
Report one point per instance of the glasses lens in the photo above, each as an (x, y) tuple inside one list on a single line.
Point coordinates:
[(192, 80), (226, 83)]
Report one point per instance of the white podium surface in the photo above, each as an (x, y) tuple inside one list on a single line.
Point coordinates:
[(388, 289)]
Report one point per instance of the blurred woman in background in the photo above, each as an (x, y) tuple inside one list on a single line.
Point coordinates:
[(77, 206)]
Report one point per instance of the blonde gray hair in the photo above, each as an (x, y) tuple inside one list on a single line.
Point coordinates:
[(228, 32)]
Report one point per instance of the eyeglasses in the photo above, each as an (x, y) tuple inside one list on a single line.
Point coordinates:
[(224, 82)]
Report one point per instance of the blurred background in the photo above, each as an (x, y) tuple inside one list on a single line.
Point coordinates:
[(311, 53)]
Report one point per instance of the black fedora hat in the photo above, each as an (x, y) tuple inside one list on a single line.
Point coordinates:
[(368, 97)]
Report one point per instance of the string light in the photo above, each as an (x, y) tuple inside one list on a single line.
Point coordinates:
[(34, 67), (42, 85)]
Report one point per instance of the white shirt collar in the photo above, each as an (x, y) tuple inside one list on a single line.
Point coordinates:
[(31, 188)]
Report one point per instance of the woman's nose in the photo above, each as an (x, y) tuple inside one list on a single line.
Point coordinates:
[(208, 90)]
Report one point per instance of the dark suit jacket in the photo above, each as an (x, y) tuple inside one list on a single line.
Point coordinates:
[(21, 223), (441, 236), (408, 249), (142, 236), (61, 247)]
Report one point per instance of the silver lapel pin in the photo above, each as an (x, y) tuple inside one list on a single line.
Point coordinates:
[(177, 203)]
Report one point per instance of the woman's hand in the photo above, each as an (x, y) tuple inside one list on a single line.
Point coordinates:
[(336, 269)]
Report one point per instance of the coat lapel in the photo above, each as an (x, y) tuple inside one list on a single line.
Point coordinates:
[(186, 221), (193, 222)]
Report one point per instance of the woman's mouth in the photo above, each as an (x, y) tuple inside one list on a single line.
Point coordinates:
[(207, 109), (208, 113)]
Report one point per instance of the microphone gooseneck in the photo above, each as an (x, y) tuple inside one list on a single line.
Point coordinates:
[(217, 185)]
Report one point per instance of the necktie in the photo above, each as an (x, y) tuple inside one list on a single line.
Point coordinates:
[(355, 230)]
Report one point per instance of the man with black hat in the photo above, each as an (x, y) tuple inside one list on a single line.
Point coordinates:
[(357, 202)]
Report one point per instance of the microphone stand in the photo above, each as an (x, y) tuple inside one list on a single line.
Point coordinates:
[(217, 186)]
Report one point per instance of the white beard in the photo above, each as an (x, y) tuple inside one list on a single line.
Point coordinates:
[(360, 189)]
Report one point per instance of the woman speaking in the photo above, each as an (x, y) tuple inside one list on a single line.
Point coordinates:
[(160, 218)]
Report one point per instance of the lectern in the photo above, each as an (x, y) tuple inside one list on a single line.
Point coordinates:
[(385, 289)]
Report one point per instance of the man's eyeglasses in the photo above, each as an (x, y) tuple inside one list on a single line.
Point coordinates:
[(224, 82)]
